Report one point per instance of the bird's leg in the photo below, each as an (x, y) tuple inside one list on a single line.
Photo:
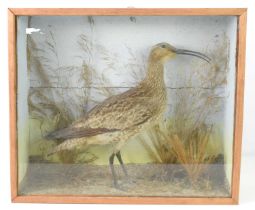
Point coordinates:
[(121, 163), (111, 160), (124, 168)]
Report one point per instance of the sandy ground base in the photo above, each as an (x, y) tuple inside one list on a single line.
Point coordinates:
[(145, 180)]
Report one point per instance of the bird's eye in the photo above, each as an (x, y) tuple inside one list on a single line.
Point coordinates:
[(163, 46)]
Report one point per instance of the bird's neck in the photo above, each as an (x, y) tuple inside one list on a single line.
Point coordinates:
[(155, 74)]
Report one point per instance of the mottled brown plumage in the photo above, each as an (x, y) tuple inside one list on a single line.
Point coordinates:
[(122, 116)]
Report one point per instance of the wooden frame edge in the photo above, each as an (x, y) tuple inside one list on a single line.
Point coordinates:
[(239, 101), (127, 11), (12, 94), (121, 200), (234, 199)]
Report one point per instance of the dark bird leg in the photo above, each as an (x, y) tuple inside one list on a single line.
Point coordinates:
[(121, 163), (124, 168), (111, 160)]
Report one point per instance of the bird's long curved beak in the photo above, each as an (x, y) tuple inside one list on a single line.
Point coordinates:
[(193, 53)]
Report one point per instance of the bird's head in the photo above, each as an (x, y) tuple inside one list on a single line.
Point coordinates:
[(163, 52)]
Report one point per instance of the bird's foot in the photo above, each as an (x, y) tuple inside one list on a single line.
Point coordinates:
[(130, 180), (118, 187), (127, 183)]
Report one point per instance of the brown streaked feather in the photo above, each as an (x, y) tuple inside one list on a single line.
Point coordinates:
[(73, 132), (117, 113), (122, 111)]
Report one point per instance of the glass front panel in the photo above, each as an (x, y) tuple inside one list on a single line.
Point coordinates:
[(126, 105)]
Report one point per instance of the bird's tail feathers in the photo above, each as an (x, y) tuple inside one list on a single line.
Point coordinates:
[(67, 145)]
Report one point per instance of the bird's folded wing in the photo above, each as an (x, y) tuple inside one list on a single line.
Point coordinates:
[(110, 116), (76, 132), (120, 114)]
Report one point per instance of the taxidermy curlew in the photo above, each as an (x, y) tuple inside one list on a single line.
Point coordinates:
[(122, 116)]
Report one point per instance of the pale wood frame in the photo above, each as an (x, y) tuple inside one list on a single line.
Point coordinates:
[(240, 64)]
